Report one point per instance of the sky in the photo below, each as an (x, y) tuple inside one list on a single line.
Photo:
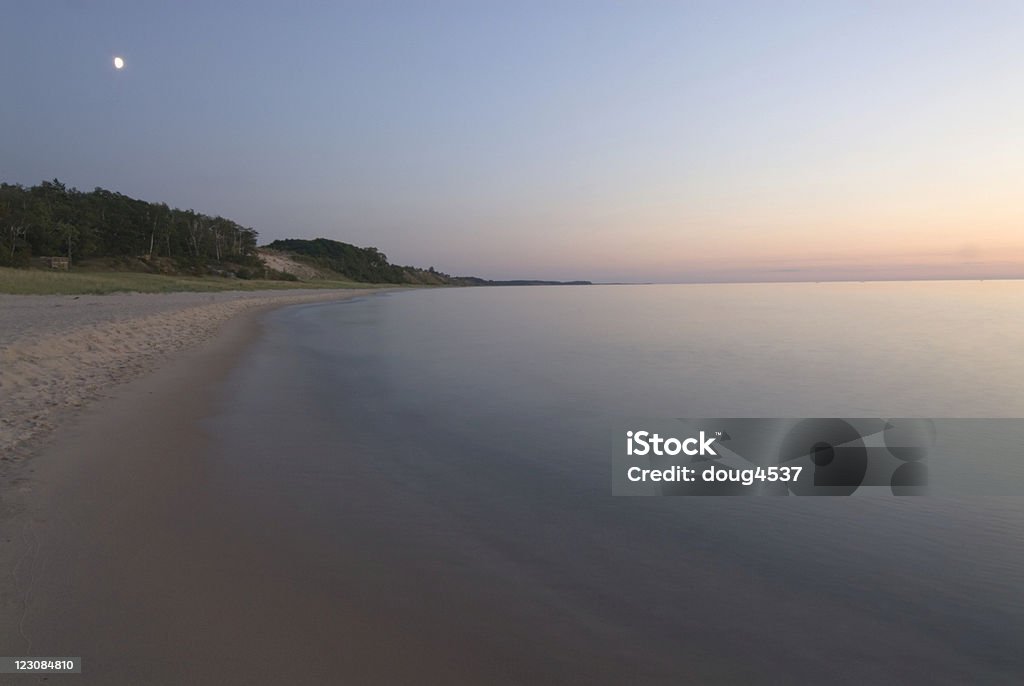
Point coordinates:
[(613, 141)]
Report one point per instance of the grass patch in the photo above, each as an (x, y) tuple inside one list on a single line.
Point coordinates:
[(46, 282)]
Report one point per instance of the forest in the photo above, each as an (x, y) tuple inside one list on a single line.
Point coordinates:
[(109, 230), (52, 220)]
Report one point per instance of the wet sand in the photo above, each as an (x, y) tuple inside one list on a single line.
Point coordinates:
[(114, 546), (59, 353)]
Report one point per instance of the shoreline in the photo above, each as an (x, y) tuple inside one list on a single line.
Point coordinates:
[(107, 524), (52, 368), (257, 518)]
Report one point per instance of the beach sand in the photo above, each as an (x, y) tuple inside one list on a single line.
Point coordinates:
[(60, 353), (114, 547)]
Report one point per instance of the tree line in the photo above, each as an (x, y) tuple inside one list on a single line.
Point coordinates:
[(50, 219), (369, 265)]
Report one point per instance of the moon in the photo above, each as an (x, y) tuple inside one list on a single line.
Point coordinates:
[(118, 63)]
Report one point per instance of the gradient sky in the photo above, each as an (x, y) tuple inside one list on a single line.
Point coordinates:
[(633, 140)]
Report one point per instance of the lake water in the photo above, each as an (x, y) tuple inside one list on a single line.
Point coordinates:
[(434, 467)]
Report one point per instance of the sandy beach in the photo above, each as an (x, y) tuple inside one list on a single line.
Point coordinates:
[(59, 353), (101, 490)]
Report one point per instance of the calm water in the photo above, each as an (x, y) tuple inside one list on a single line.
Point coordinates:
[(434, 466)]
